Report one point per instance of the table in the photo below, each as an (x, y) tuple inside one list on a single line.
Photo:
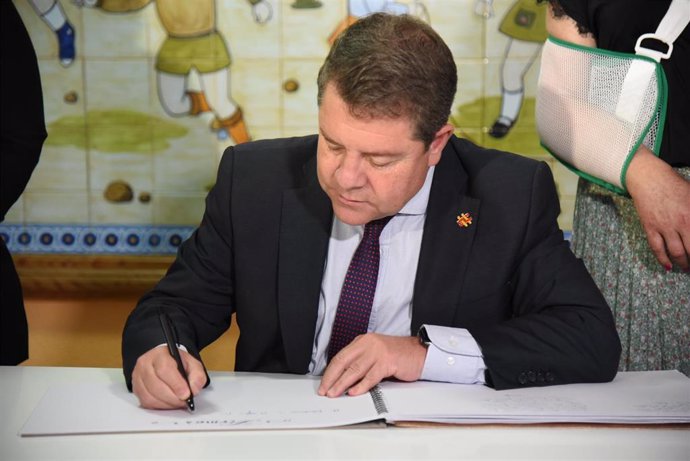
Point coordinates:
[(22, 387)]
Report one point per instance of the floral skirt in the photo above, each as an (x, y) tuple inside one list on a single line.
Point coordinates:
[(650, 305)]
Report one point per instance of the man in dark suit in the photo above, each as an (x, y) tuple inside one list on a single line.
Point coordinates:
[(22, 132), (471, 256)]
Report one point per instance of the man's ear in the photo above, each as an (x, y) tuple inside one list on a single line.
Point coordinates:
[(439, 142)]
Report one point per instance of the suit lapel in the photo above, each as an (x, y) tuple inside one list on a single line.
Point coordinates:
[(304, 232), (444, 255)]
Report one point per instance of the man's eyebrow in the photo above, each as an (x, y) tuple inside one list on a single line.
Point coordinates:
[(327, 138), (383, 153)]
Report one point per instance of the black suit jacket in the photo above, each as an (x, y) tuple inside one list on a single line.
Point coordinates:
[(509, 277), (22, 132)]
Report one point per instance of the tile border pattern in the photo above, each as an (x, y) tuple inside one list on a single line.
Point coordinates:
[(100, 239), (93, 239)]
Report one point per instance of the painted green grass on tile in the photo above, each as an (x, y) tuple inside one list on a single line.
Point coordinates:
[(115, 131), (478, 116)]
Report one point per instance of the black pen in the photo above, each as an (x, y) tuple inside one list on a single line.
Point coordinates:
[(171, 341)]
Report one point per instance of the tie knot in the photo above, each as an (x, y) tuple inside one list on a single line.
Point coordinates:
[(373, 229)]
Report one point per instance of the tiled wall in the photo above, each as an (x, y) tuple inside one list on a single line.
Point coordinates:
[(110, 135)]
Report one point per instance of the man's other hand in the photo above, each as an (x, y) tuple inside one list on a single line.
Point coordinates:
[(368, 360)]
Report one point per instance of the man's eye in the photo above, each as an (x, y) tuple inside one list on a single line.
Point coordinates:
[(380, 162)]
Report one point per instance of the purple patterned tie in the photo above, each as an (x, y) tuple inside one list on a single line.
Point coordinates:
[(357, 294)]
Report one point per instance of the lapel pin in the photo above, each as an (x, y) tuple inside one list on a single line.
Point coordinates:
[(464, 220)]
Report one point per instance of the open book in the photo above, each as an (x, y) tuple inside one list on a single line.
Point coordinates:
[(275, 401)]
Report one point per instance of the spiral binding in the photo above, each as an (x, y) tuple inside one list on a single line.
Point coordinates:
[(379, 402)]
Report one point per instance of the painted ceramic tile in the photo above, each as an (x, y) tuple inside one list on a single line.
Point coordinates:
[(520, 140), (139, 113), (16, 212), (306, 29), (510, 98), (53, 26), (565, 219), (512, 22), (120, 176), (169, 209), (187, 165), (273, 132), (63, 91), (122, 84), (476, 135), (102, 210), (300, 108), (55, 207), (459, 26), (467, 111), (251, 31), (127, 33), (257, 84), (298, 132), (566, 179), (61, 168)]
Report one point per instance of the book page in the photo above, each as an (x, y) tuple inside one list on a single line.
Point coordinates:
[(278, 401), (645, 397), (236, 402)]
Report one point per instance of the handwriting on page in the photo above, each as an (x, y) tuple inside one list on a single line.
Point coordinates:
[(239, 418), (665, 407), (536, 404)]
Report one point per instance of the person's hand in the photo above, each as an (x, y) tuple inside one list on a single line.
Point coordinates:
[(159, 385), (369, 359), (662, 200)]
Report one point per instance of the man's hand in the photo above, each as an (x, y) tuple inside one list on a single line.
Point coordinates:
[(662, 201), (368, 360), (159, 385)]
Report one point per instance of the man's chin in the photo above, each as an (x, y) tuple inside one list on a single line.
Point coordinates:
[(352, 217)]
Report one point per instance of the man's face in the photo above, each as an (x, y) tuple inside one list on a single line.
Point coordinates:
[(370, 167)]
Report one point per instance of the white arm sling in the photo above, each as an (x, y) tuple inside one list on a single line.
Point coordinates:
[(596, 107)]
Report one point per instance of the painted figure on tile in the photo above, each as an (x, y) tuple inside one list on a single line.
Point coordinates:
[(525, 26), (306, 4), (194, 45), (359, 8), (52, 13)]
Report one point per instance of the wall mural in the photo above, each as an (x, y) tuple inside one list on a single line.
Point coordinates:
[(142, 97), (53, 16)]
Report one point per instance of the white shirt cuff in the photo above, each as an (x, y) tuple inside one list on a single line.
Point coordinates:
[(453, 356), (179, 346)]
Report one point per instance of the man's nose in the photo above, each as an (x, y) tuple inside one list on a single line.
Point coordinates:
[(350, 172)]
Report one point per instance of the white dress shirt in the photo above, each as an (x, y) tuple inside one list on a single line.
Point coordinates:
[(453, 355)]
